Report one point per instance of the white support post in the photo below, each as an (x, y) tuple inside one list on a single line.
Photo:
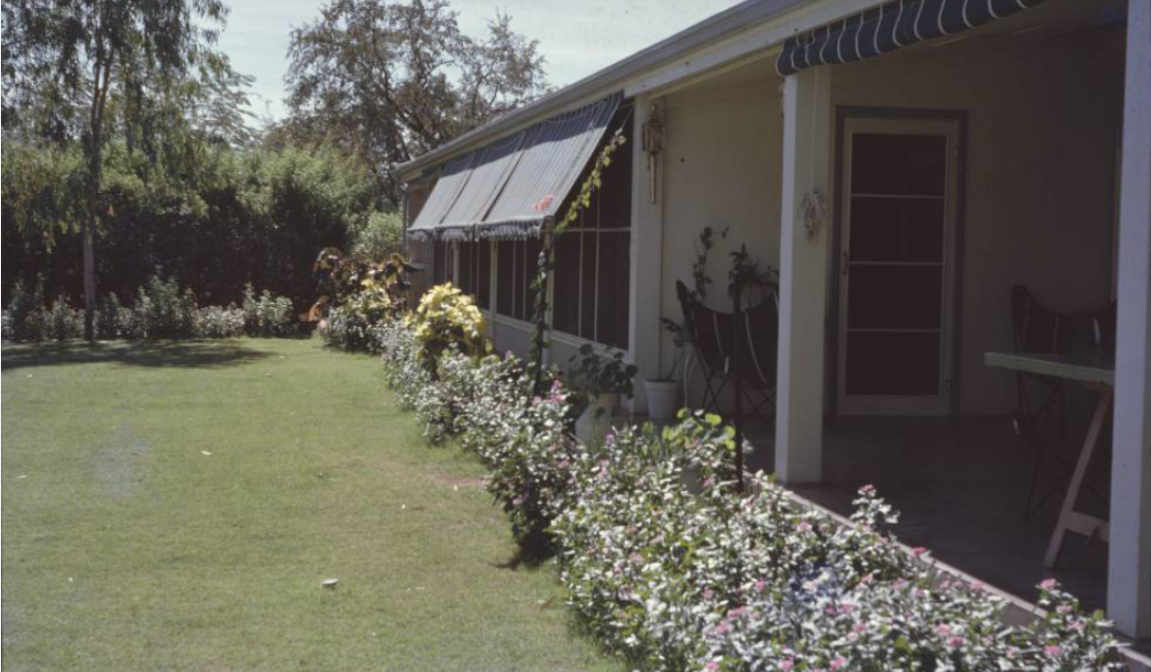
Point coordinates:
[(645, 283), (803, 270), (1129, 578)]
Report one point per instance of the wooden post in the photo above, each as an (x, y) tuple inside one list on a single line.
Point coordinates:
[(735, 369), (803, 272), (1129, 575), (646, 281)]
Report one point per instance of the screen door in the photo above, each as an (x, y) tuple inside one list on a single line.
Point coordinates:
[(897, 270)]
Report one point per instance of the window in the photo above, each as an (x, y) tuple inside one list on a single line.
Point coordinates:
[(593, 261), (474, 272), (441, 262), (517, 262)]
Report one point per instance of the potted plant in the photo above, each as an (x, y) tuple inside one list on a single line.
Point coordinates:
[(600, 381), (663, 393)]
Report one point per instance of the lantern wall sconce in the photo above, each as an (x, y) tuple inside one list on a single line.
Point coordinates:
[(653, 142)]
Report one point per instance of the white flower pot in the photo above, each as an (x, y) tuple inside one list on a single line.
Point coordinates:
[(593, 425), (662, 399)]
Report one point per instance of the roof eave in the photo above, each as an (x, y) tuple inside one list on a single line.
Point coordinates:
[(739, 18)]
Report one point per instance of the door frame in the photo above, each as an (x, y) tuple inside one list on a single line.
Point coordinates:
[(956, 258)]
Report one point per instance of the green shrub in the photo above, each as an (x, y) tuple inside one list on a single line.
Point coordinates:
[(267, 315), (217, 322), (672, 567)]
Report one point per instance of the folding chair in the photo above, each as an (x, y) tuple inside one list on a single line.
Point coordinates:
[(712, 341), (1042, 401)]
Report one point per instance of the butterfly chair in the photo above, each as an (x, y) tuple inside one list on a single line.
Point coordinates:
[(1042, 401), (712, 340)]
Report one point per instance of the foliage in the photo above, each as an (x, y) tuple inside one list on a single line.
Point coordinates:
[(699, 274), (544, 264), (715, 580), (161, 309), (593, 374), (670, 565), (87, 72), (381, 236), (267, 315), (219, 322), (391, 80), (447, 319), (357, 294), (241, 216)]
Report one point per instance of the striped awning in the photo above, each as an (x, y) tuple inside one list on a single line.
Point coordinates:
[(510, 187), (889, 27)]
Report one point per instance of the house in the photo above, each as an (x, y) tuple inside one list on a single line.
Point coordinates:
[(904, 164)]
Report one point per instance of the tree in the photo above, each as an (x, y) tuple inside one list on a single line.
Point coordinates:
[(392, 80), (92, 70)]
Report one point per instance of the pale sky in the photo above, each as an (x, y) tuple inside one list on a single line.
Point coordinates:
[(577, 37)]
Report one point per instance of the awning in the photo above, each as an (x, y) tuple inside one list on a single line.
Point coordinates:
[(510, 187), (889, 27)]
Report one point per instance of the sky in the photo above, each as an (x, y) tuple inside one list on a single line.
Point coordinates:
[(577, 37)]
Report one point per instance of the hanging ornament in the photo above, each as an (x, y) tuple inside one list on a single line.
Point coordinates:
[(813, 210)]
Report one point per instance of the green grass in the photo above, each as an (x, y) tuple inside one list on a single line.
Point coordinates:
[(127, 546)]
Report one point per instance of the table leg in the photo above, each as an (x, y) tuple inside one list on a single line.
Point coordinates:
[(1067, 516)]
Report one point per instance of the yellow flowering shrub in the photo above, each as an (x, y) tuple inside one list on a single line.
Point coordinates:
[(447, 318)]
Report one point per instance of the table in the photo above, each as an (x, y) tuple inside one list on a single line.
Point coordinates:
[(1095, 370)]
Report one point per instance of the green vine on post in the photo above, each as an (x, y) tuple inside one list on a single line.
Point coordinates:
[(539, 286)]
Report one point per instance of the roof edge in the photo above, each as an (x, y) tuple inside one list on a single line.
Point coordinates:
[(739, 18)]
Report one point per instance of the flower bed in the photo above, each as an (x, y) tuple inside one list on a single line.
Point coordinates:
[(672, 568)]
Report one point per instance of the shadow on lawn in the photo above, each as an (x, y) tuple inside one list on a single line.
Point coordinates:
[(182, 354)]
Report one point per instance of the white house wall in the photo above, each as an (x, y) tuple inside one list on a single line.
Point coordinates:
[(1042, 118), (721, 170)]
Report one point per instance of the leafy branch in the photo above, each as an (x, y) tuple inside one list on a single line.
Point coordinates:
[(539, 286)]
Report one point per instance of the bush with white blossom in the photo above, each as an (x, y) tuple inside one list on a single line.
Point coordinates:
[(671, 567)]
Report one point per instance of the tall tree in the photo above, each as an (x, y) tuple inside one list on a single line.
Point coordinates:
[(392, 79), (96, 69)]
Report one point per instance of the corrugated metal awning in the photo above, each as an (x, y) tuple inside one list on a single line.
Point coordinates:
[(889, 27), (509, 188)]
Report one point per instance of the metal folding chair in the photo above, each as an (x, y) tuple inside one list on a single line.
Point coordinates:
[(1041, 412), (712, 340)]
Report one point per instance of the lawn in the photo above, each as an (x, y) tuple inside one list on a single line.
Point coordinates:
[(175, 506)]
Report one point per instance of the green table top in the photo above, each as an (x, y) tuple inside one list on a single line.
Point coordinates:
[(1087, 367)]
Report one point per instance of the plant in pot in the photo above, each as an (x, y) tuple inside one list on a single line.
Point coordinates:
[(664, 393), (600, 381)]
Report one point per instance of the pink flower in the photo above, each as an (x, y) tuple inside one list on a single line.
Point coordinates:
[(860, 627), (544, 203), (803, 526), (867, 489), (1079, 625), (708, 594), (737, 612), (564, 463), (760, 585), (787, 664), (711, 665), (636, 558), (918, 551), (838, 663), (1063, 609), (1048, 584), (708, 482), (955, 642), (720, 628), (1053, 650), (943, 630), (518, 501)]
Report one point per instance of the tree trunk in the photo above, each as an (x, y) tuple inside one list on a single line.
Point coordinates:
[(90, 281)]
